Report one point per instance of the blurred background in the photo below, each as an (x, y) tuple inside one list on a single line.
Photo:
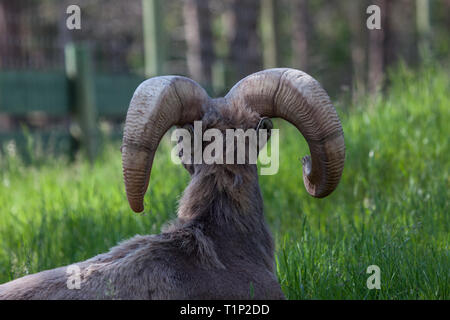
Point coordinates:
[(214, 42), (64, 95)]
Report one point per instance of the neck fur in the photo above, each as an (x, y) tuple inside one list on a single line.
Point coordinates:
[(227, 206)]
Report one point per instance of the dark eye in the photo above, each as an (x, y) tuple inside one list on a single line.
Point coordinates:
[(265, 123)]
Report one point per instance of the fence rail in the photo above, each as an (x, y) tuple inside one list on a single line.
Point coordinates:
[(77, 93), (22, 92)]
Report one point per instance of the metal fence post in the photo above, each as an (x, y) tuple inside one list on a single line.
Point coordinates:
[(153, 32), (80, 75)]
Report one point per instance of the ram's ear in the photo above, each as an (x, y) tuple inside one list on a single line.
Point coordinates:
[(266, 125), (190, 128)]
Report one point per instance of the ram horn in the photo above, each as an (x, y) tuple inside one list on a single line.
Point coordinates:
[(299, 99), (157, 104)]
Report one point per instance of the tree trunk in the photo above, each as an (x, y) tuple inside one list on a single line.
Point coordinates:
[(423, 28), (245, 43), (400, 39), (446, 6), (10, 48), (376, 63), (300, 34), (200, 53), (356, 18)]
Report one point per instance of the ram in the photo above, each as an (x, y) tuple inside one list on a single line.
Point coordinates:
[(219, 247)]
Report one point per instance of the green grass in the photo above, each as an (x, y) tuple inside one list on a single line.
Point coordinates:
[(391, 208)]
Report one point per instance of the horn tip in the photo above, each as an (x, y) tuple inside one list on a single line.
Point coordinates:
[(137, 206)]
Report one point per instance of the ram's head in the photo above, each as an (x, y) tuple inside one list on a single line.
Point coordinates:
[(162, 102)]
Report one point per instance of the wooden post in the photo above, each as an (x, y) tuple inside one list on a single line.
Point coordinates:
[(423, 27), (219, 77), (153, 31), (270, 33), (80, 75)]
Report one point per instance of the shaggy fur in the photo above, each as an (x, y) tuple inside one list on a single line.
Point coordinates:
[(219, 247)]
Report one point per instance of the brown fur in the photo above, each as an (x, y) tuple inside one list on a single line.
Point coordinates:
[(219, 247)]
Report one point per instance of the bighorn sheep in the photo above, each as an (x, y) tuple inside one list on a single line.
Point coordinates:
[(219, 247)]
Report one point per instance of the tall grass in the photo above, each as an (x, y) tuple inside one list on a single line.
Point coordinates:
[(391, 208)]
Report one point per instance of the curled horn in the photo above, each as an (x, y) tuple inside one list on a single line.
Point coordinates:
[(298, 98), (157, 104)]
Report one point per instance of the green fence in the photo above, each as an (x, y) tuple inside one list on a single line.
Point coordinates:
[(22, 92), (76, 92)]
